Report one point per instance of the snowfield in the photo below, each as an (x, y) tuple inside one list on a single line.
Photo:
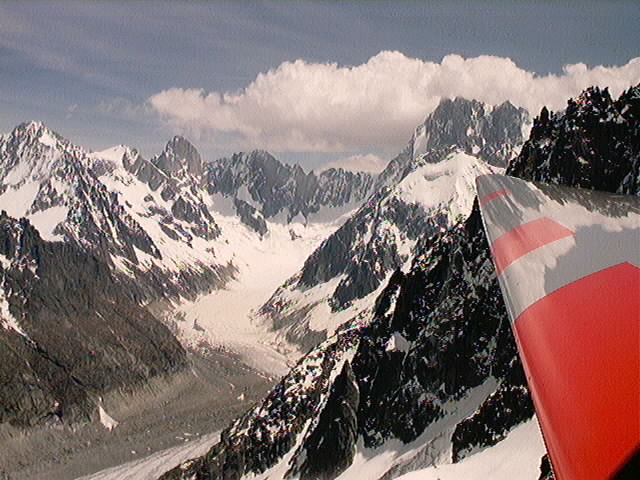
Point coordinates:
[(448, 185), (151, 467), (515, 457), (225, 318)]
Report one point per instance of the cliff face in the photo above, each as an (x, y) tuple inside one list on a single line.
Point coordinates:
[(70, 332), (594, 143)]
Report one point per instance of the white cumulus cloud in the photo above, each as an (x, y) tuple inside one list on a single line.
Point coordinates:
[(358, 163), (324, 107)]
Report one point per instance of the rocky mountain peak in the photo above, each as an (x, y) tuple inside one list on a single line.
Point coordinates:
[(261, 160), (178, 157), (31, 128), (491, 133), (39, 152), (593, 143), (266, 187), (33, 134)]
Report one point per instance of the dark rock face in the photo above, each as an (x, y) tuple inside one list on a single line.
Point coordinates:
[(275, 188), (250, 216), (330, 448), (80, 335), (364, 249), (147, 172), (260, 438), (450, 311), (368, 266), (594, 143), (508, 406), (546, 472), (396, 169)]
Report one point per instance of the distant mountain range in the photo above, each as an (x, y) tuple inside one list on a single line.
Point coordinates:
[(83, 230)]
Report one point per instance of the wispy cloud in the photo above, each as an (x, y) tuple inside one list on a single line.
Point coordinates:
[(121, 107), (60, 38), (70, 110), (324, 107)]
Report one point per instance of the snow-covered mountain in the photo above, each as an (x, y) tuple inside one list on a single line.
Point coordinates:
[(145, 224), (84, 230), (427, 188), (48, 180), (154, 220), (490, 133), (429, 381)]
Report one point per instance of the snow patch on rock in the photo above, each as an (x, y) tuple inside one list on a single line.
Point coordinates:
[(106, 420)]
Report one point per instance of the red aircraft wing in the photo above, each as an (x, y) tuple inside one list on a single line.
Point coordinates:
[(568, 264)]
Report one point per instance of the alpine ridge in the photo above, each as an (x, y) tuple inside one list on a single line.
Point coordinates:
[(430, 376), (425, 189), (83, 230), (69, 332), (267, 189)]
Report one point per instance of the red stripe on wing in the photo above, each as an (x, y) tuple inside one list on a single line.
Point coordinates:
[(492, 196), (528, 237), (580, 346)]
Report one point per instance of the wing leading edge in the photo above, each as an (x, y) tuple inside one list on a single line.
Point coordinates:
[(568, 265)]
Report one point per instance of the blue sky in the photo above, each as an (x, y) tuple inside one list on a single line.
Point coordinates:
[(135, 73)]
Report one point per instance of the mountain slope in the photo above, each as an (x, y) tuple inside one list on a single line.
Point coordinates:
[(428, 187), (69, 332), (432, 377)]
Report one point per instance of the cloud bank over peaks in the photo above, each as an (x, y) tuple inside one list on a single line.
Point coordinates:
[(324, 107), (369, 163)]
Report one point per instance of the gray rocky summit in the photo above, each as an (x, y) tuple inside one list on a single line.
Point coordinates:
[(284, 192), (180, 157)]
